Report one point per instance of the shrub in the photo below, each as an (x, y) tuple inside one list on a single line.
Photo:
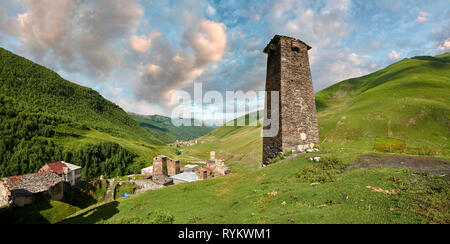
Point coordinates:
[(324, 171), (389, 145), (152, 217), (281, 157)]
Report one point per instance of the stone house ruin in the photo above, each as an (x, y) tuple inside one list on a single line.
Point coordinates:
[(288, 72), (22, 190), (159, 165), (217, 166), (173, 167), (69, 172)]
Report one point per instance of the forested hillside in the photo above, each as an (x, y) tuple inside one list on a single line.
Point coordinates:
[(45, 118)]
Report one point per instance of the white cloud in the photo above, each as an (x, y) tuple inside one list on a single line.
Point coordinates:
[(324, 28), (208, 40), (151, 68), (140, 107), (141, 44), (423, 16), (445, 46), (176, 65), (395, 55), (74, 36), (210, 10)]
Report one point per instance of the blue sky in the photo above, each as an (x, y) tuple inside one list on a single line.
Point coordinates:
[(137, 53)]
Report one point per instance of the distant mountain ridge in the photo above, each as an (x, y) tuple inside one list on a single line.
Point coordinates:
[(162, 128)]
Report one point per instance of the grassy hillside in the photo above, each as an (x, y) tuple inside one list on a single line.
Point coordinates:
[(232, 142), (404, 106), (162, 128), (281, 194), (407, 101), (44, 117)]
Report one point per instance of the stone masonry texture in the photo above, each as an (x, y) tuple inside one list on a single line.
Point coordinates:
[(159, 165), (173, 167), (288, 71)]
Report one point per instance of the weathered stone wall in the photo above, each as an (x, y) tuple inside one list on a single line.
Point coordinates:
[(173, 167), (23, 200), (159, 165), (211, 164), (56, 192), (288, 71), (5, 194), (220, 168), (272, 145), (201, 174)]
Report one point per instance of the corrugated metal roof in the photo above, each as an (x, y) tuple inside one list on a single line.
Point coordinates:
[(186, 176), (191, 166)]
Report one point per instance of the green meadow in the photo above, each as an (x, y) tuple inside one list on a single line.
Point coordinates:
[(400, 111)]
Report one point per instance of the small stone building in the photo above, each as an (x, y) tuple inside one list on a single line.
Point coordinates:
[(173, 167), (69, 172), (159, 165), (202, 173), (22, 190)]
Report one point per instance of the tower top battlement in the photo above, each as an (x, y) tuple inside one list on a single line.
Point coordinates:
[(276, 39)]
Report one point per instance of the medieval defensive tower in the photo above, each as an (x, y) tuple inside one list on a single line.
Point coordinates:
[(289, 73)]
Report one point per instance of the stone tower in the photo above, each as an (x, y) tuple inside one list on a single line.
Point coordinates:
[(173, 167), (289, 73), (159, 165)]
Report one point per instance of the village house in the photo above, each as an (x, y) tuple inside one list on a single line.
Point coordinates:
[(166, 171), (69, 172), (178, 143), (22, 190), (48, 183)]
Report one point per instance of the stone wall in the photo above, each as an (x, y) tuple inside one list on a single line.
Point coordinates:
[(5, 194), (159, 165), (173, 167), (288, 71), (56, 192), (201, 174), (220, 168)]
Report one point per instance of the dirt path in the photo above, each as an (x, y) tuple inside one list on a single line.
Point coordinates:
[(433, 166)]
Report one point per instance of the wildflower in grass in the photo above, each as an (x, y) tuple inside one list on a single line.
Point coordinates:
[(284, 203)]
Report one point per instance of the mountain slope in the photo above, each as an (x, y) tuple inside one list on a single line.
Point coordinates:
[(162, 128), (299, 190), (407, 100), (43, 91), (45, 118)]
